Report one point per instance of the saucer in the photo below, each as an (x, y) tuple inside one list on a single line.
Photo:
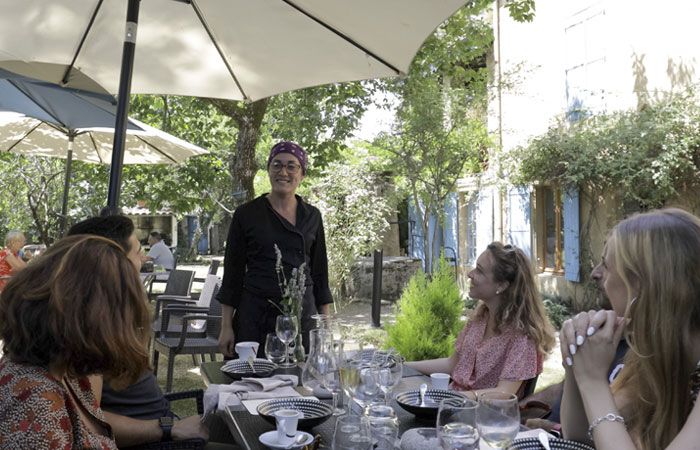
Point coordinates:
[(269, 439)]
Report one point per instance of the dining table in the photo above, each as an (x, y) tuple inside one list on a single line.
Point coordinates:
[(246, 427)]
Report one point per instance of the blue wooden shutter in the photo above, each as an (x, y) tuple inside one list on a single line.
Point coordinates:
[(572, 251)]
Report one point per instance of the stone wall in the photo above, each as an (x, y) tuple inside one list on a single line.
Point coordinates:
[(396, 271)]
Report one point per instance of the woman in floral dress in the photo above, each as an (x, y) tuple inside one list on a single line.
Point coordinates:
[(507, 337), (78, 311)]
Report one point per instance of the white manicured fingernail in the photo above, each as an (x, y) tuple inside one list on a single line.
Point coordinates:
[(579, 340), (569, 362), (572, 349), (590, 331)]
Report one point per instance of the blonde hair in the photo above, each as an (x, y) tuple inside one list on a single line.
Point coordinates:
[(659, 254), (521, 304)]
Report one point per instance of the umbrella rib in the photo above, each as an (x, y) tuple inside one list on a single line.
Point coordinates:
[(343, 36), (66, 74), (155, 148), (32, 99), (94, 144), (204, 23), (25, 136)]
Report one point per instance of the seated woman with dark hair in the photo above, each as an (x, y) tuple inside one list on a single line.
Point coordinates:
[(78, 310), (506, 339)]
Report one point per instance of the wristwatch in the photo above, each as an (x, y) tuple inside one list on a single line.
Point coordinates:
[(166, 424)]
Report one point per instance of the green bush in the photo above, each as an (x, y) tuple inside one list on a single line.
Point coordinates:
[(557, 309), (428, 320)]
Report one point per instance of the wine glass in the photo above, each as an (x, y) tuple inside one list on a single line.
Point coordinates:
[(387, 370), (352, 433), (330, 377), (275, 349), (350, 379), (498, 418), (456, 424), (286, 329)]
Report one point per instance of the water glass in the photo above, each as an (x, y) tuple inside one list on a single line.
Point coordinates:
[(456, 424), (352, 433), (384, 426), (286, 328), (274, 348), (498, 418)]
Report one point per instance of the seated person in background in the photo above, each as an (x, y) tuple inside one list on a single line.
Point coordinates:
[(10, 260), (134, 411), (59, 328), (159, 253), (506, 339), (651, 265)]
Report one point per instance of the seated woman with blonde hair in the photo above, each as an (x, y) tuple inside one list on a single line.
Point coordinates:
[(77, 311), (651, 264), (10, 260), (505, 341)]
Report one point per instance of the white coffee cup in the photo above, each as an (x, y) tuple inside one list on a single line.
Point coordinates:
[(440, 380), (287, 421), (247, 349)]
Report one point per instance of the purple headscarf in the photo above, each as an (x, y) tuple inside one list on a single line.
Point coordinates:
[(293, 149)]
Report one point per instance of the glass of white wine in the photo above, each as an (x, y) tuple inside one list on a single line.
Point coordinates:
[(456, 424), (350, 379), (498, 418)]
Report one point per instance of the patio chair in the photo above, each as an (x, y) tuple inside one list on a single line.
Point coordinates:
[(210, 288), (530, 386), (195, 443), (182, 343), (213, 268), (179, 283)]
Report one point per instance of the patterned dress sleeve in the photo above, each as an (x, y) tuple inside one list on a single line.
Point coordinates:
[(521, 360)]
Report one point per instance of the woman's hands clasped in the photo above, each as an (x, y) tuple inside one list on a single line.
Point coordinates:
[(588, 343)]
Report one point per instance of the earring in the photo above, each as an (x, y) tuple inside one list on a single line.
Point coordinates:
[(498, 292)]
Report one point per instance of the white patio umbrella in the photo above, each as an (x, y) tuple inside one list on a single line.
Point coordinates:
[(44, 119), (234, 49)]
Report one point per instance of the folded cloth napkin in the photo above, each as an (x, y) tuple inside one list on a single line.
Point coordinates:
[(218, 396)]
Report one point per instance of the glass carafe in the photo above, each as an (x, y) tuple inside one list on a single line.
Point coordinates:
[(320, 345)]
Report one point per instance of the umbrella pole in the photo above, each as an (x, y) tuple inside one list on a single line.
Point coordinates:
[(66, 185), (115, 173)]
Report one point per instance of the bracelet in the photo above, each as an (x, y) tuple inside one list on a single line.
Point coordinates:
[(609, 417)]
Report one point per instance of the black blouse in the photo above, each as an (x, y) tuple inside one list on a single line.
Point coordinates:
[(250, 257)]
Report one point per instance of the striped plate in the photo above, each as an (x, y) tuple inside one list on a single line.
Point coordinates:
[(239, 368), (314, 411), (410, 401), (554, 443)]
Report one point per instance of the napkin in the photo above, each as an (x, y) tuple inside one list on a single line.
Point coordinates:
[(219, 396)]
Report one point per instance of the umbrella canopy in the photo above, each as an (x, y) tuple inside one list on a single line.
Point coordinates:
[(44, 119), (233, 49)]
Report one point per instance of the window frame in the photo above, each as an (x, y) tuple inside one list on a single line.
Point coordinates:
[(541, 231)]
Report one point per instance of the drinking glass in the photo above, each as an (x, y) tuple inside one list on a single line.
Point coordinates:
[(350, 379), (456, 424), (274, 348), (387, 370), (498, 418), (352, 433), (286, 329)]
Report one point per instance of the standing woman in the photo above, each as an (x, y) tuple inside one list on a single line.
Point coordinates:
[(281, 218), (10, 260), (505, 341), (651, 264)]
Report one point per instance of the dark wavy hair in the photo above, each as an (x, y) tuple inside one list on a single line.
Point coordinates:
[(80, 308), (117, 228)]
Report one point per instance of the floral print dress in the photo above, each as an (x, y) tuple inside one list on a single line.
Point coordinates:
[(38, 412), (483, 362)]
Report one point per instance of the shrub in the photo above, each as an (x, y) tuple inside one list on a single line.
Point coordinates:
[(428, 319), (557, 309)]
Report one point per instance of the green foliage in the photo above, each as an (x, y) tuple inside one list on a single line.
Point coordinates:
[(355, 209), (558, 310), (428, 320), (645, 156)]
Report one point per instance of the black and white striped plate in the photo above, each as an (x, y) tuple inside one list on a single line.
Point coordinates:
[(410, 401), (315, 412), (239, 368), (554, 443)]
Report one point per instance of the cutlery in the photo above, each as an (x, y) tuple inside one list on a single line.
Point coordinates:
[(250, 363), (544, 440), (301, 437), (421, 390)]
